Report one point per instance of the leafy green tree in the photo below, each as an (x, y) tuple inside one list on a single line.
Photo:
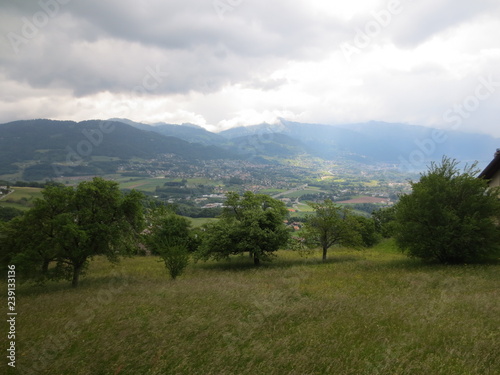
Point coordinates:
[(169, 235), (369, 235), (385, 219), (450, 216), (8, 213), (332, 224), (250, 223), (31, 240), (70, 226)]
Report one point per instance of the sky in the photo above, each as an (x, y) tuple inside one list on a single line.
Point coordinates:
[(225, 63)]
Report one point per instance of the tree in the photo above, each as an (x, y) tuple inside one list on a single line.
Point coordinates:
[(369, 235), (250, 223), (385, 221), (169, 236), (450, 216), (70, 226), (331, 224), (31, 240), (8, 213)]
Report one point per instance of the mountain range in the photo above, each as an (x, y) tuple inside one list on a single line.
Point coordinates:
[(371, 142), (36, 146)]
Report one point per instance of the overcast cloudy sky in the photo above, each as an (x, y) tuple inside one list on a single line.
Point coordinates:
[(221, 63)]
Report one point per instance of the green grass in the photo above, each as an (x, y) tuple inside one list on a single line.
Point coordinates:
[(372, 183), (363, 312), (299, 193), (199, 221), (144, 184), (304, 207), (271, 191), (150, 184), (104, 158)]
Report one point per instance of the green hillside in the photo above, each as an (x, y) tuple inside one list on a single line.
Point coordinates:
[(44, 148)]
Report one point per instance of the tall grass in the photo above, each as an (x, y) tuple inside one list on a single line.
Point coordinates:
[(368, 312)]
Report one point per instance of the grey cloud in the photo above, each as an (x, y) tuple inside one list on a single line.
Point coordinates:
[(94, 46)]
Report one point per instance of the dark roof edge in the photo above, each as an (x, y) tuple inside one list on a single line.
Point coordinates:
[(492, 168)]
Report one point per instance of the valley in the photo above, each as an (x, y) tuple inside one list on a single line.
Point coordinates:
[(186, 165)]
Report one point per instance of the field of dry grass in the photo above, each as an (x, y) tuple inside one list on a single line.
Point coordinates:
[(364, 312)]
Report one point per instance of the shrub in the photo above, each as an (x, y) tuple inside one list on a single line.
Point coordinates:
[(450, 217)]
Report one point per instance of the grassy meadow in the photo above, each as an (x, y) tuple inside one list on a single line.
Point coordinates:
[(21, 198), (363, 312)]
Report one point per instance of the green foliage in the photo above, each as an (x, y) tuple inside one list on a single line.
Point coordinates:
[(250, 223), (8, 213), (368, 232), (298, 244), (176, 259), (170, 236), (385, 220), (68, 227), (450, 217), (332, 224)]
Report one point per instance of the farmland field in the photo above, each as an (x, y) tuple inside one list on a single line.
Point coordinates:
[(150, 184), (299, 193), (365, 200), (21, 197), (363, 312), (145, 184), (199, 221)]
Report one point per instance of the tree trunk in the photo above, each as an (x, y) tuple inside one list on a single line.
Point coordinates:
[(256, 260), (76, 275), (324, 253), (45, 266)]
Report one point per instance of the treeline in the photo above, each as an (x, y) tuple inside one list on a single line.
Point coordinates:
[(32, 184), (450, 217)]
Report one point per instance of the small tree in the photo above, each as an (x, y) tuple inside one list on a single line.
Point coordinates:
[(169, 236), (450, 217), (175, 257), (250, 223), (331, 224)]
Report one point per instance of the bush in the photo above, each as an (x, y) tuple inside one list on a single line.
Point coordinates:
[(176, 259), (450, 217)]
